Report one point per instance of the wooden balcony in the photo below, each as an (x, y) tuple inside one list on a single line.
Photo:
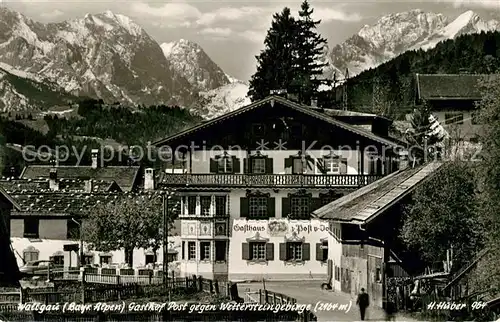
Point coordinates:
[(268, 180)]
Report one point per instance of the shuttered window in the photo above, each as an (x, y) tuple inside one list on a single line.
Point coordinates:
[(295, 251), (258, 251)]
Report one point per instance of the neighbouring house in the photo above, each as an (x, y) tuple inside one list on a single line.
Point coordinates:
[(363, 243), (47, 223), (452, 99), (117, 178), (252, 177), (9, 270)]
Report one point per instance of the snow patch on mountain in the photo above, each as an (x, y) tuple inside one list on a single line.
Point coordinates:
[(396, 33), (222, 100), (190, 60)]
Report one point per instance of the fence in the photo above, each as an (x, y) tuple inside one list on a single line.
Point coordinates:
[(113, 276)]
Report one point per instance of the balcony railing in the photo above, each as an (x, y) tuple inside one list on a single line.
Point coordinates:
[(269, 180)]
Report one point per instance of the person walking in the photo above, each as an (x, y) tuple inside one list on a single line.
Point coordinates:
[(363, 302)]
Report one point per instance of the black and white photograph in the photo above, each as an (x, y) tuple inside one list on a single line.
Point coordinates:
[(209, 160)]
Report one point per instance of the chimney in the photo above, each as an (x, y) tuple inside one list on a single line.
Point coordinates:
[(94, 158), (88, 185), (53, 182), (149, 179), (403, 160)]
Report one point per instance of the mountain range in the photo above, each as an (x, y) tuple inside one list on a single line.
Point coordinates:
[(111, 57)]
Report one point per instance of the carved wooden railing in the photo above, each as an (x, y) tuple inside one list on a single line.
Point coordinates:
[(267, 180)]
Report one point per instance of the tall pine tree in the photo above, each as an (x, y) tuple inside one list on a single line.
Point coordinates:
[(275, 63), (311, 47), (290, 58)]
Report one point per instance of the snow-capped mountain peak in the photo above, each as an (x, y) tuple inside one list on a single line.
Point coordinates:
[(190, 60), (396, 33)]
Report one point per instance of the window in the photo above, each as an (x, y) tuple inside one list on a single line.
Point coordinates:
[(378, 275), (257, 251), (105, 259), (297, 166), (220, 250), (73, 230), (191, 251), (205, 205), (453, 118), (337, 273), (258, 165), (150, 259), (324, 250), (205, 251), (257, 207), (31, 226), (300, 207), (326, 199), (332, 164), (220, 205), (30, 254), (88, 259), (58, 260), (294, 251), (191, 205), (225, 165)]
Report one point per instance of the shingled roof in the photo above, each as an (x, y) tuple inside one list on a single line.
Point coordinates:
[(65, 185), (449, 86), (58, 203), (124, 176), (366, 203)]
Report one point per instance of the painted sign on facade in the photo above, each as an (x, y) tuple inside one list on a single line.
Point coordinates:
[(279, 227)]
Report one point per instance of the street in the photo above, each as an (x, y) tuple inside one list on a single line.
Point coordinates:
[(307, 292)]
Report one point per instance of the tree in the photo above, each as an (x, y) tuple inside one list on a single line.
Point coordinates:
[(126, 223), (310, 48), (275, 63), (290, 60), (442, 216), (489, 179)]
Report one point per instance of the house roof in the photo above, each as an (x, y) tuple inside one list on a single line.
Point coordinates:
[(58, 203), (124, 176), (368, 202), (9, 198), (449, 86), (271, 100), (65, 185)]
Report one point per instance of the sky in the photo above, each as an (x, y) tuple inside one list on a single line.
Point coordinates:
[(232, 32)]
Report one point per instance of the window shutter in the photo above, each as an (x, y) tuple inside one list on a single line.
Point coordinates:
[(245, 166), (269, 251), (271, 207), (269, 165), (320, 165), (315, 204), (236, 165), (288, 162), (183, 251), (243, 207), (283, 252), (245, 251), (319, 252), (343, 166), (213, 166), (306, 251), (285, 207)]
